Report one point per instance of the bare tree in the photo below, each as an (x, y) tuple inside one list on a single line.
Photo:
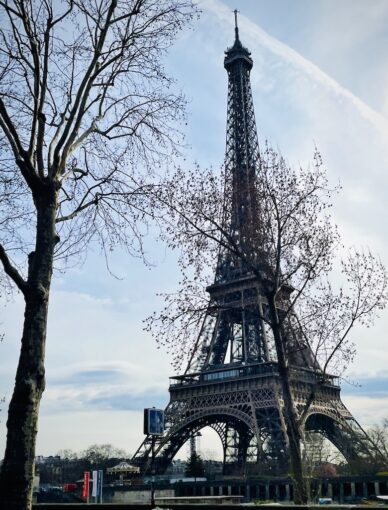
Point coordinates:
[(87, 112), (291, 246), (379, 434), (320, 457), (99, 453)]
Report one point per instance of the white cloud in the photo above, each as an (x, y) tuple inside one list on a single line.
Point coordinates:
[(79, 429), (368, 411), (99, 361)]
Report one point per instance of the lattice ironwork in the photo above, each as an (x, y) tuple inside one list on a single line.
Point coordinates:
[(232, 383)]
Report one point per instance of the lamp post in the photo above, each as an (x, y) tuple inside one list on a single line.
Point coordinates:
[(153, 472)]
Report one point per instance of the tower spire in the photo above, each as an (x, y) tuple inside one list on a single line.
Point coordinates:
[(235, 24)]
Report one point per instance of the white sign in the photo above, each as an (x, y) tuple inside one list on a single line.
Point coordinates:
[(95, 483)]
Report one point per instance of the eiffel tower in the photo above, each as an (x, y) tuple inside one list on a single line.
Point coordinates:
[(231, 383)]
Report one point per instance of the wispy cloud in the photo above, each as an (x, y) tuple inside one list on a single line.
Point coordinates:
[(373, 386), (68, 399), (92, 372), (254, 34), (113, 385), (368, 411)]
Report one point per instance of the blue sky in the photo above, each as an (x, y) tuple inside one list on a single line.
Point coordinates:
[(319, 77)]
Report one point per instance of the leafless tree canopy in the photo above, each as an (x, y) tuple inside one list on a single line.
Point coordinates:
[(379, 434), (293, 240), (85, 103)]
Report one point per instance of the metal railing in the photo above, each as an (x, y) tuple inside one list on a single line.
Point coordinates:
[(234, 371)]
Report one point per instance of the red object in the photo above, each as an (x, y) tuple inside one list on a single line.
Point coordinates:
[(69, 487), (85, 489), (328, 469)]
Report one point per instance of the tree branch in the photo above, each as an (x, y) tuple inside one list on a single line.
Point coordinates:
[(12, 272)]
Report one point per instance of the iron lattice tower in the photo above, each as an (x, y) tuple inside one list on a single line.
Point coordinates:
[(232, 382)]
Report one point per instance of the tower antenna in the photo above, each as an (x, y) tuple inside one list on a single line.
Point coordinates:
[(235, 23)]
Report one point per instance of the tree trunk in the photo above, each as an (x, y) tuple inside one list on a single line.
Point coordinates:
[(17, 473), (290, 416)]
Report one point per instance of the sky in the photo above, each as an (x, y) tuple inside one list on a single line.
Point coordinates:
[(319, 79)]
